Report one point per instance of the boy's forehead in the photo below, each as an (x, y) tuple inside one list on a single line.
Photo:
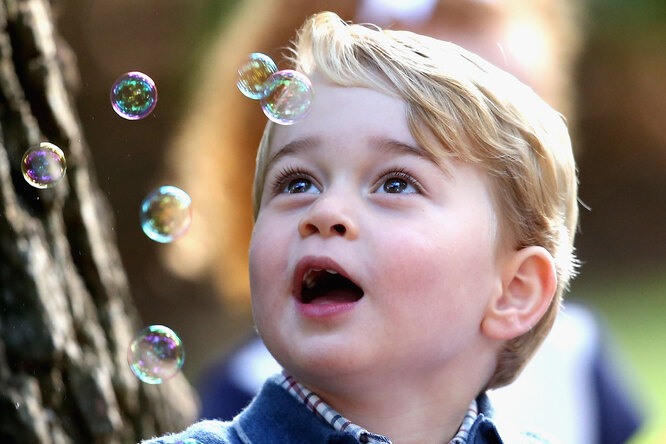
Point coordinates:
[(344, 114)]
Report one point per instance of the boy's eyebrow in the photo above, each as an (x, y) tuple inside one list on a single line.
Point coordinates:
[(292, 147), (391, 145), (383, 144)]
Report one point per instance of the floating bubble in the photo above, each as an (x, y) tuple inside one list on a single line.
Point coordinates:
[(166, 214), (287, 97), (156, 354), (133, 95), (253, 74), (43, 166)]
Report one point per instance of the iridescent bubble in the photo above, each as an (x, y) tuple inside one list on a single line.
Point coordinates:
[(166, 214), (287, 98), (156, 354), (43, 166), (253, 74), (133, 95)]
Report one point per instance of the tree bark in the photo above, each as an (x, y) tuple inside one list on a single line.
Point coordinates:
[(66, 313)]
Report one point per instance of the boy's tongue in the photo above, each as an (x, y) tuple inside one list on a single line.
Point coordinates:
[(336, 296)]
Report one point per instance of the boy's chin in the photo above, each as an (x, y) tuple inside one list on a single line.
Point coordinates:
[(329, 379), (337, 355), (319, 367)]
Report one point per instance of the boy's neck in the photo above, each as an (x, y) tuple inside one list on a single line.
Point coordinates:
[(408, 409)]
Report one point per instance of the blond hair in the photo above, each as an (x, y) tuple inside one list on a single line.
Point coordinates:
[(460, 106)]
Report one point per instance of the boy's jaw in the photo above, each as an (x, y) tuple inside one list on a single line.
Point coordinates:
[(321, 287)]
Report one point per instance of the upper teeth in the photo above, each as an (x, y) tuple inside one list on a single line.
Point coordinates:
[(309, 276)]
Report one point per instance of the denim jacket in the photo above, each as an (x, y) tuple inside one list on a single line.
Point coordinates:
[(276, 417)]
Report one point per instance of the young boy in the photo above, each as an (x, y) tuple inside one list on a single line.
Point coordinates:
[(413, 236)]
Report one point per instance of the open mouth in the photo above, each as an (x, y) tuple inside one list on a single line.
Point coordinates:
[(325, 286)]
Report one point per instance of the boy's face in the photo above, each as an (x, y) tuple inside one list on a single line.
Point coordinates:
[(349, 190)]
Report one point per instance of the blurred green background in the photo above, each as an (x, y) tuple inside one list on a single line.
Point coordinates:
[(634, 306)]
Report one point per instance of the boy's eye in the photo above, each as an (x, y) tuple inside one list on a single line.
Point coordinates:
[(398, 182), (395, 185), (300, 185), (293, 180)]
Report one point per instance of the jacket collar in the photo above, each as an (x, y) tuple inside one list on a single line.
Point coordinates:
[(274, 416)]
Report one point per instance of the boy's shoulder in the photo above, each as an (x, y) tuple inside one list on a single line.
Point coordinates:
[(273, 416), (486, 430), (526, 437), (517, 436), (207, 431)]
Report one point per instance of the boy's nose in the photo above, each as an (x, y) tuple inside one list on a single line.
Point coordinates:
[(328, 217)]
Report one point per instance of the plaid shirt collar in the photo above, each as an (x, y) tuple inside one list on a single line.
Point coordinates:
[(342, 424)]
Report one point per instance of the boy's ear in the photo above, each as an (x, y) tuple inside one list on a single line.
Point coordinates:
[(528, 285)]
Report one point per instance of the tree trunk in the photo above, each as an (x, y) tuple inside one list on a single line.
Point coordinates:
[(66, 313)]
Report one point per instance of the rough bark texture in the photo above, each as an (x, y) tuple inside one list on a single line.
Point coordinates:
[(66, 314)]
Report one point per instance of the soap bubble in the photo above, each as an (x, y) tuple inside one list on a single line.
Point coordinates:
[(287, 97), (43, 166), (134, 95), (253, 74), (166, 214), (156, 354)]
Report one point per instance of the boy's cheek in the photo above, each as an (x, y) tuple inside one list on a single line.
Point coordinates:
[(417, 266), (258, 260), (267, 257)]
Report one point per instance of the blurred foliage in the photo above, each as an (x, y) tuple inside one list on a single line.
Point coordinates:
[(609, 16)]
